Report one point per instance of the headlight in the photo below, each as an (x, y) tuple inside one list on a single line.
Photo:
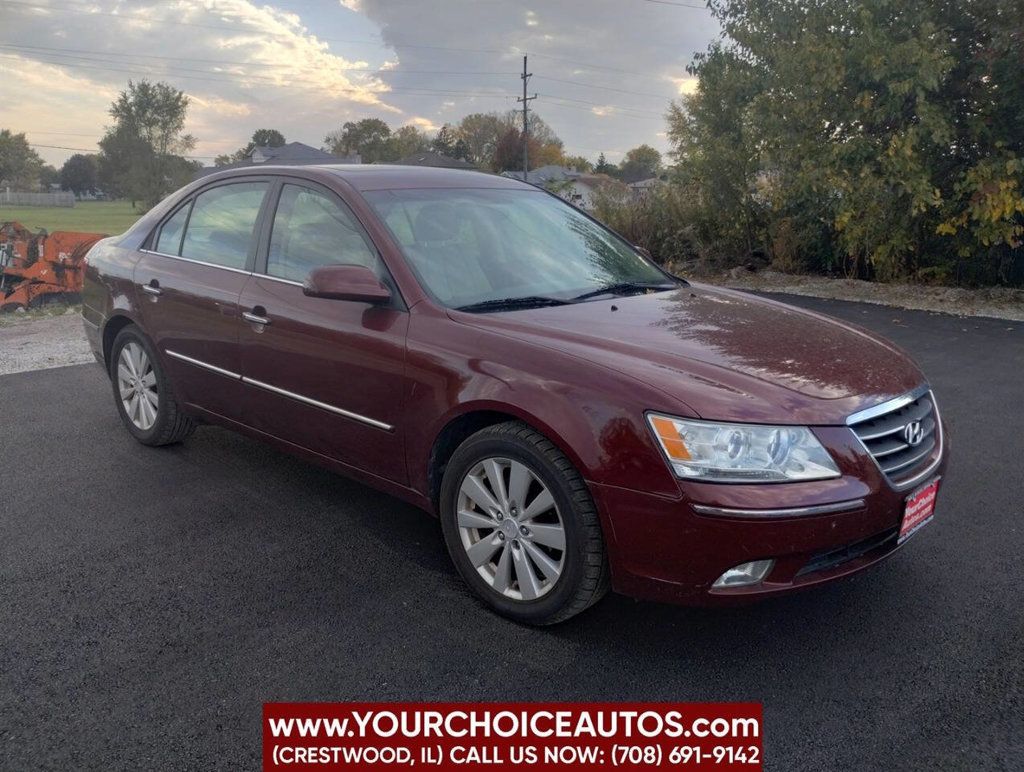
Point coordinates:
[(713, 452)]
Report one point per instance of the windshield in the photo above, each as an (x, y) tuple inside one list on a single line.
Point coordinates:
[(480, 247)]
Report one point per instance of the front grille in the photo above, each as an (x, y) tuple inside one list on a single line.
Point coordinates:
[(885, 438)]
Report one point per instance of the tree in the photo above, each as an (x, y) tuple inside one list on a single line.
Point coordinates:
[(603, 167), (260, 138), (481, 132), (716, 149), (79, 174), (448, 142), (266, 138), (48, 175), (141, 151), (508, 152), (20, 165), (405, 141), (578, 162), (882, 138), (640, 163), (544, 145), (368, 137)]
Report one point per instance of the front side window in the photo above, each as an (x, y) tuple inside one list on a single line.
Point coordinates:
[(311, 230), (221, 228), (473, 246)]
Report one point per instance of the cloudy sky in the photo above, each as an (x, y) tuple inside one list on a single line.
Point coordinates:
[(604, 70)]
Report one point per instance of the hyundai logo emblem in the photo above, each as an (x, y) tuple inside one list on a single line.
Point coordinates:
[(913, 433)]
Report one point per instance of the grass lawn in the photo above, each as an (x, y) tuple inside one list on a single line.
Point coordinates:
[(109, 217)]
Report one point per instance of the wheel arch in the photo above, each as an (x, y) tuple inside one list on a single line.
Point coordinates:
[(470, 419), (111, 328)]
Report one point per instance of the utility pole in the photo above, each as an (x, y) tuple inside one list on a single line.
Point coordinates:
[(526, 127)]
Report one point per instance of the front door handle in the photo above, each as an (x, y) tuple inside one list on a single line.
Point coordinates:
[(255, 318), (153, 288)]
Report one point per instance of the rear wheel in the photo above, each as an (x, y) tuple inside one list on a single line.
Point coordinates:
[(142, 393), (521, 526)]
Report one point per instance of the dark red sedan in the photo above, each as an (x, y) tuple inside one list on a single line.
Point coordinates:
[(577, 418)]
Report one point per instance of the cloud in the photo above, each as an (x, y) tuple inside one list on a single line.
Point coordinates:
[(604, 71), (685, 85), (423, 123), (244, 66)]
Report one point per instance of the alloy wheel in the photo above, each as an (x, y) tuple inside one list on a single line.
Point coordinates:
[(136, 383), (511, 528)]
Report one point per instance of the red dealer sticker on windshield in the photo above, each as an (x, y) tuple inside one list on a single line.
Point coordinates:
[(539, 736)]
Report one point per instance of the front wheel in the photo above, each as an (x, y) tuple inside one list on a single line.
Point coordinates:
[(521, 526), (142, 392)]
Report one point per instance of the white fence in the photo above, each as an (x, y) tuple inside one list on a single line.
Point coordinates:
[(14, 198)]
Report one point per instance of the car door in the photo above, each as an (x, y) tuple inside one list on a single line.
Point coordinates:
[(324, 374), (190, 278)]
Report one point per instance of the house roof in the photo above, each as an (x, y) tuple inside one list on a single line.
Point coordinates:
[(650, 182), (293, 152), (544, 175), (434, 160), (290, 154)]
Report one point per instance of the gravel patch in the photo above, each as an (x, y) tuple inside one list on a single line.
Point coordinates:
[(994, 302), (31, 342)]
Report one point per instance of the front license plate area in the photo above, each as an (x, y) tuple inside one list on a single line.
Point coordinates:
[(919, 510)]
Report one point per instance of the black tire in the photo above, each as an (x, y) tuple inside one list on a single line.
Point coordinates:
[(585, 576), (171, 425)]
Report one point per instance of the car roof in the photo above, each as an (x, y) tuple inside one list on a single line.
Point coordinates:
[(365, 177), (393, 176)]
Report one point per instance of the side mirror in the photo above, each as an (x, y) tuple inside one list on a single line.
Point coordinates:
[(346, 282)]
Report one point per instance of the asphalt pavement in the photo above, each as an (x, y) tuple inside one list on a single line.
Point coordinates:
[(152, 599)]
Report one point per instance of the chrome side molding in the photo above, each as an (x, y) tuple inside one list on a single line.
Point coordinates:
[(283, 392), (317, 403), (204, 365)]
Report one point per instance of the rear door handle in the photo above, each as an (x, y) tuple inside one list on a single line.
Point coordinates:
[(153, 288), (249, 316)]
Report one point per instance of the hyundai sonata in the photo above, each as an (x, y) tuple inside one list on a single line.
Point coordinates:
[(577, 418)]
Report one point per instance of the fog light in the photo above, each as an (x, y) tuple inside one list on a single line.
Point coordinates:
[(744, 574)]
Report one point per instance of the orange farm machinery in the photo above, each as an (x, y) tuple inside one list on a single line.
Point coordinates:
[(39, 268)]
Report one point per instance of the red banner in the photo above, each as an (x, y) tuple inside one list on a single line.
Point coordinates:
[(540, 736)]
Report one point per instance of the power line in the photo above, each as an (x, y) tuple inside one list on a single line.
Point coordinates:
[(92, 55), (84, 52), (603, 88), (638, 110), (678, 5), (320, 87), (351, 41), (611, 113), (204, 76)]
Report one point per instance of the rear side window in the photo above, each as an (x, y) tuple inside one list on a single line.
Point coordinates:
[(312, 229), (221, 228), (169, 241)]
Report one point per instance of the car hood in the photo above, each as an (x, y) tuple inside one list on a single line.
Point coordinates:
[(725, 355)]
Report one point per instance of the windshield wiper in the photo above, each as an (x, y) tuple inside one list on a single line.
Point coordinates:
[(625, 288), (510, 304)]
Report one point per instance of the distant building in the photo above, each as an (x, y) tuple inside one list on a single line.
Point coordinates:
[(291, 154), (641, 188), (435, 160), (575, 187)]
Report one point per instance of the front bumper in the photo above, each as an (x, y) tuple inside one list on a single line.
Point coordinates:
[(663, 548)]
